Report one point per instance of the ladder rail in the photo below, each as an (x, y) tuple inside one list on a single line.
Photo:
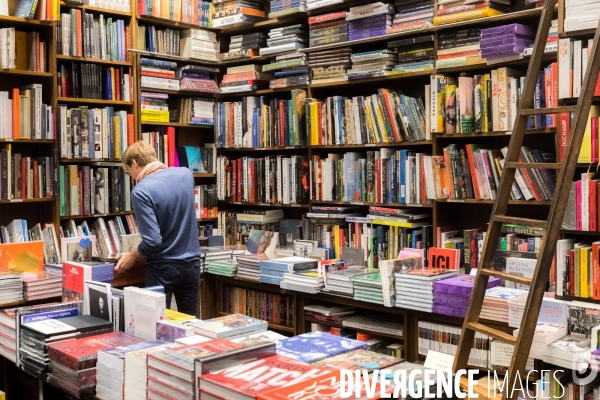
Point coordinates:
[(501, 203)]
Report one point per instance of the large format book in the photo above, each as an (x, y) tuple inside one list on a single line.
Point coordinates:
[(358, 359), (461, 285), (75, 274), (314, 346), (143, 308), (229, 325), (289, 264), (136, 372)]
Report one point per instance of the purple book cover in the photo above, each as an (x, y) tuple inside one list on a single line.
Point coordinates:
[(102, 272), (314, 346), (369, 21), (504, 40), (451, 299), (413, 10), (366, 35), (461, 285), (518, 29), (453, 311), (500, 51)]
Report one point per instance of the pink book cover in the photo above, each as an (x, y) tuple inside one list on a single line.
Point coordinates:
[(592, 204), (409, 252), (578, 205), (594, 139)]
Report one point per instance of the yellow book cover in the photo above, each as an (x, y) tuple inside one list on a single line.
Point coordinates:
[(314, 123), (177, 10), (380, 121), (373, 137), (394, 223), (74, 189), (336, 241), (466, 15), (264, 125), (584, 277), (484, 90), (585, 153), (176, 316), (112, 79), (117, 132)]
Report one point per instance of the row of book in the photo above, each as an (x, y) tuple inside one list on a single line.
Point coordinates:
[(82, 34), (99, 188), (160, 74), (197, 12), (270, 179), (93, 132), (92, 81), (258, 304), (32, 59), (25, 115), (581, 213), (23, 177), (573, 57)]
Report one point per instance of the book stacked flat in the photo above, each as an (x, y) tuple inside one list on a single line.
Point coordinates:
[(261, 220), (451, 296), (414, 54), (197, 78), (228, 326), (136, 371), (271, 271), (245, 78), (504, 41), (40, 285), (328, 29), (315, 346), (308, 281), (580, 15), (110, 368), (158, 74), (36, 339), (280, 8), (459, 48), (225, 268), (285, 39), (375, 325), (154, 108), (249, 266), (370, 64), (8, 334), (462, 10), (199, 44), (495, 303), (414, 288), (358, 359), (231, 13), (369, 288), (411, 15), (553, 311), (327, 313), (340, 282), (314, 4), (329, 65), (569, 351), (551, 40), (245, 46), (11, 288), (369, 21), (545, 334), (208, 254), (290, 70)]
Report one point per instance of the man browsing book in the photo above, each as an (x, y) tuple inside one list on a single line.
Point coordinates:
[(163, 202)]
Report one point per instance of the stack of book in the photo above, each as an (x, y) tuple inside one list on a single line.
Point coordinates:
[(11, 287), (8, 334), (40, 285), (229, 326), (245, 78), (414, 288), (161, 41), (328, 313), (414, 54), (38, 338), (261, 220), (415, 14), (553, 311), (249, 266), (328, 29), (230, 13), (225, 268), (280, 8), (245, 46), (570, 351), (453, 11), (160, 76), (369, 21), (192, 110), (581, 15), (458, 48), (451, 296), (271, 271), (545, 334), (288, 38), (495, 303), (290, 70), (308, 281), (315, 4), (154, 106), (200, 45), (316, 346), (505, 41), (136, 371), (197, 78), (329, 66), (340, 282), (357, 359), (372, 64), (363, 322), (208, 254), (369, 287), (551, 41)]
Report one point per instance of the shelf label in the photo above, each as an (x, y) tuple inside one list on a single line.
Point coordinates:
[(237, 202), (296, 205), (8, 140), (290, 147), (415, 205), (261, 148), (358, 203), (265, 204), (16, 200), (370, 144), (96, 159), (509, 133), (455, 201)]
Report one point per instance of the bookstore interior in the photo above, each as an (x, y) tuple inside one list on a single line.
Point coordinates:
[(347, 160)]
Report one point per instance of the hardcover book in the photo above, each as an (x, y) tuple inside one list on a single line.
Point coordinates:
[(229, 325), (358, 359), (461, 285), (315, 346), (143, 308)]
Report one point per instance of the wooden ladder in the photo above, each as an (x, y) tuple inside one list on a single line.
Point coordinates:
[(551, 227)]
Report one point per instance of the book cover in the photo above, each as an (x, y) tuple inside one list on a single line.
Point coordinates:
[(143, 308), (461, 285), (315, 346), (448, 259), (22, 257), (467, 119), (357, 359), (229, 325)]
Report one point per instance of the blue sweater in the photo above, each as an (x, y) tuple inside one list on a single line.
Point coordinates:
[(166, 216)]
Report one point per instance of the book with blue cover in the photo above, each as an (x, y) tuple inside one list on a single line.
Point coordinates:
[(316, 346)]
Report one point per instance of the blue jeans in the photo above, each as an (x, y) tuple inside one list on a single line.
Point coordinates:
[(179, 279)]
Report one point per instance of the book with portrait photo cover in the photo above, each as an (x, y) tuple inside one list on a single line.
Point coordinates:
[(98, 300), (78, 249)]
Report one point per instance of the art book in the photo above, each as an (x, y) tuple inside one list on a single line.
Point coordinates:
[(444, 258), (22, 257), (143, 308), (262, 242), (358, 359), (78, 249), (229, 325), (74, 274), (314, 346), (461, 285)]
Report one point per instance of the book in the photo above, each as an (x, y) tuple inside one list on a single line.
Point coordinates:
[(229, 325), (143, 308), (315, 346)]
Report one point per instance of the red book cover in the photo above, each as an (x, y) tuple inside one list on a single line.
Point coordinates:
[(16, 114), (473, 248), (597, 88), (594, 121), (529, 182), (564, 120), (240, 182), (231, 119), (79, 33), (595, 272), (78, 354), (252, 181), (449, 183), (37, 52), (234, 180), (171, 146), (571, 272), (554, 67), (423, 181), (592, 204), (327, 17), (250, 380), (117, 84), (444, 258)]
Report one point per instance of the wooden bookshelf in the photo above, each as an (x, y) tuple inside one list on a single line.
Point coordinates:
[(94, 101), (99, 10), (94, 60)]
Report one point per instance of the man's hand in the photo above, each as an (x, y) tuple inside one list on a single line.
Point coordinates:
[(126, 261)]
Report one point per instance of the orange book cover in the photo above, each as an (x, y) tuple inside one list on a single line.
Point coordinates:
[(130, 137), (79, 33), (16, 114), (444, 258), (22, 257), (449, 180)]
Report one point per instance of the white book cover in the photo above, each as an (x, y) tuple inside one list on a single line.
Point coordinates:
[(495, 106), (562, 249), (520, 266), (585, 201), (565, 66), (143, 308), (576, 68), (49, 327)]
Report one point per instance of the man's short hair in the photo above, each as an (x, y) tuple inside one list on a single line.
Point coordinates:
[(141, 152)]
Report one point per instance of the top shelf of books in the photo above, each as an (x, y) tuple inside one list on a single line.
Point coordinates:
[(109, 8)]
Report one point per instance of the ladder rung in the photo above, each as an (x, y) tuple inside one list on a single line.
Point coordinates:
[(535, 165), (534, 223), (522, 280), (552, 110), (496, 334)]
